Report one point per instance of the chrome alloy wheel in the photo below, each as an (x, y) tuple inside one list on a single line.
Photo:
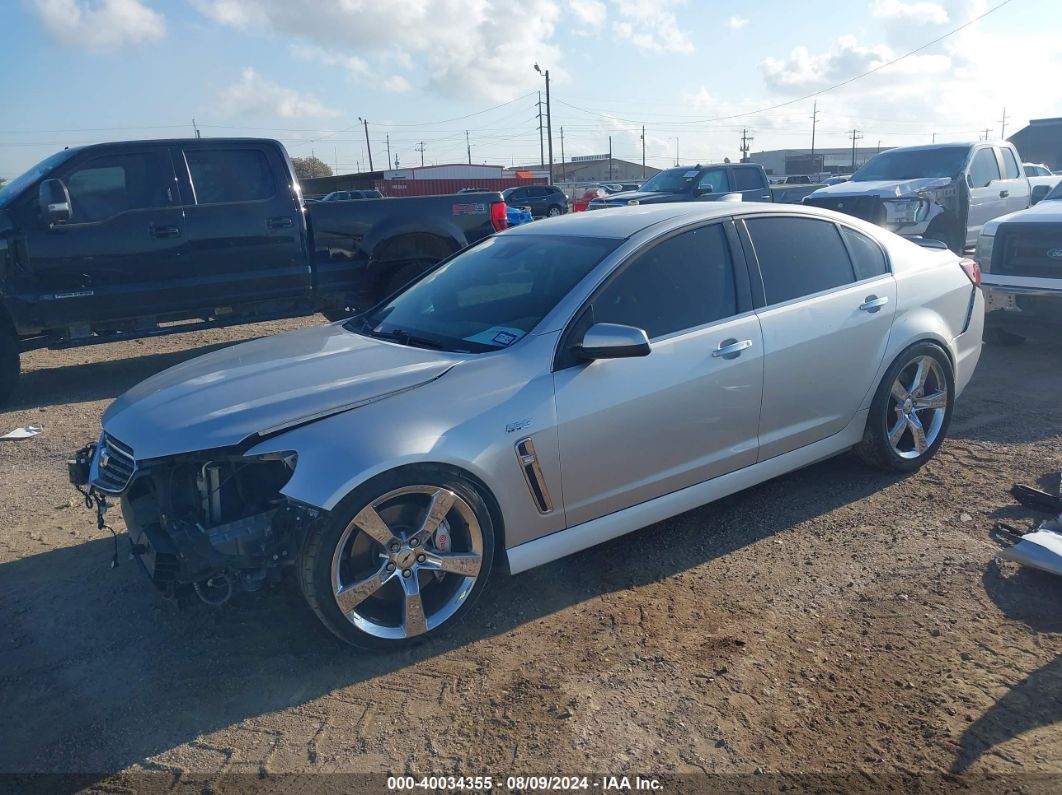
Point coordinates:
[(407, 561), (917, 405)]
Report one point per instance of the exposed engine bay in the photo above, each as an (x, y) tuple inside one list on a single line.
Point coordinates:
[(205, 524)]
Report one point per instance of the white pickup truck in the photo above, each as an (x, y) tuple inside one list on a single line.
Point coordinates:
[(946, 192), (1020, 255)]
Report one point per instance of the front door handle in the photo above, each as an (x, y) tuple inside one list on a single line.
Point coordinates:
[(1004, 194), (872, 303), (731, 348), (164, 231), (280, 222)]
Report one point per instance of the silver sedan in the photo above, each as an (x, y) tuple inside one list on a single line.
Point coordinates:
[(547, 389)]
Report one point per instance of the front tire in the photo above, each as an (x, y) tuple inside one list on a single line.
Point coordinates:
[(401, 557), (10, 365), (911, 410)]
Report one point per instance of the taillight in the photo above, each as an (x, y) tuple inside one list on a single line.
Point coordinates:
[(971, 269), (498, 217)]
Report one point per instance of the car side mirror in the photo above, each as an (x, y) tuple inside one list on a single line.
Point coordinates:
[(54, 201), (705, 189), (612, 341), (1039, 192)]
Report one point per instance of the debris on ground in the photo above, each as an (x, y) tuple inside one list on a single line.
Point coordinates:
[(24, 432)]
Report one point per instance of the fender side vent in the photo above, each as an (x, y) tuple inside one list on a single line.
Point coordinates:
[(536, 484)]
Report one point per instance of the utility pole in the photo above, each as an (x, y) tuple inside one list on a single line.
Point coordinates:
[(934, 137), (420, 148), (988, 130), (1003, 126), (549, 129), (856, 136), (396, 160), (335, 153), (368, 146), (814, 124), (746, 139), (676, 140), (469, 147), (541, 140), (389, 151), (563, 168), (643, 151), (610, 158), (197, 135)]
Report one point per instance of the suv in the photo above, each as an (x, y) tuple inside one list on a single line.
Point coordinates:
[(695, 183), (946, 192), (348, 195), (541, 200)]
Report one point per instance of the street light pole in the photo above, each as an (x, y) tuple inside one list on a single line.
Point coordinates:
[(549, 121)]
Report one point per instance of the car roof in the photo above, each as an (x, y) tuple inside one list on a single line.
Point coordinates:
[(623, 222)]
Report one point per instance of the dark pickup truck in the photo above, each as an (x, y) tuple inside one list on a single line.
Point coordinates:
[(142, 238), (713, 182)]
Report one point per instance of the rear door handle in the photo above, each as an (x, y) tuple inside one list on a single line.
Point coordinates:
[(280, 222), (731, 348), (872, 303), (1004, 194), (164, 231)]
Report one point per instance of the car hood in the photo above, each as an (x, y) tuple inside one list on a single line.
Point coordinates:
[(1048, 211), (642, 197), (885, 188), (265, 386)]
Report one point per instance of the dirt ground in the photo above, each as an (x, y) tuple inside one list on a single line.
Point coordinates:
[(832, 621)]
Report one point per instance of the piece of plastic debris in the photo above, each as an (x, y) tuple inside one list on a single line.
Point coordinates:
[(1041, 549), (1036, 499), (22, 433)]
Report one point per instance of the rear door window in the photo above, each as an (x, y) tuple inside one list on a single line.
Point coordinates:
[(105, 186), (747, 179), (798, 256), (1010, 164), (984, 168), (713, 181), (229, 175)]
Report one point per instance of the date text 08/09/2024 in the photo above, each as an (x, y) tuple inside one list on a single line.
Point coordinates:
[(524, 783)]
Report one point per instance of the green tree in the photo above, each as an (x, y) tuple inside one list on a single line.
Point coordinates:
[(310, 167), (2, 181)]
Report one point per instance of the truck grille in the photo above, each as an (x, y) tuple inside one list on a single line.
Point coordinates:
[(869, 208), (115, 465), (1025, 250)]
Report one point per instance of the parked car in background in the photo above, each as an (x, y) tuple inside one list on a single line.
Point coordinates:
[(584, 195), (946, 192), (694, 183), (798, 179), (518, 215), (142, 238), (544, 201), (348, 195), (1040, 179), (1021, 258), (543, 391), (837, 179)]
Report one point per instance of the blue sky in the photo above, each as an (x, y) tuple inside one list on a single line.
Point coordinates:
[(305, 70)]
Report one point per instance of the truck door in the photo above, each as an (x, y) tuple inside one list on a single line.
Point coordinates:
[(987, 193), (245, 226), (751, 182), (1014, 183), (125, 235)]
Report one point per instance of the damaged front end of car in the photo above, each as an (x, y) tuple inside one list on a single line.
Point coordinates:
[(209, 523)]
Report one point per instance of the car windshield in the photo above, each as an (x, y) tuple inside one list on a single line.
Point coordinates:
[(913, 164), (674, 180), (11, 189), (1056, 192), (487, 297)]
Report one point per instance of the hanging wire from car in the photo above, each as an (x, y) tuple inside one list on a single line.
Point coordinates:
[(94, 500)]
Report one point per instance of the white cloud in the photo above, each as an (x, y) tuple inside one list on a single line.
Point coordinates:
[(100, 25), (467, 48), (651, 25), (353, 64), (396, 83), (589, 13), (253, 95), (919, 12), (737, 23)]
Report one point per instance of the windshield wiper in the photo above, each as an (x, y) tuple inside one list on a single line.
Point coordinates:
[(405, 338)]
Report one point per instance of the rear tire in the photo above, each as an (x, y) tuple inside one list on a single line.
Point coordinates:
[(553, 211), (10, 365), (401, 558), (911, 411)]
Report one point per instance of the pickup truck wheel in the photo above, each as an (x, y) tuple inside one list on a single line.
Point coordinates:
[(911, 410), (947, 233), (553, 211), (9, 364), (409, 271), (399, 558)]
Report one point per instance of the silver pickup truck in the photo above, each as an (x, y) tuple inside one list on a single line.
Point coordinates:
[(946, 192)]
